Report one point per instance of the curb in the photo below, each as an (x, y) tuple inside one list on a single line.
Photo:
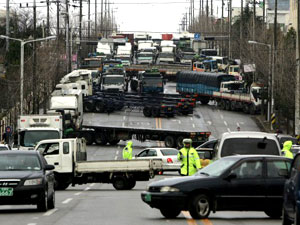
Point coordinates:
[(260, 124)]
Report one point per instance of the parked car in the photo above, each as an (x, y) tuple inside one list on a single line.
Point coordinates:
[(291, 196), (25, 179), (239, 183), (168, 156), (247, 143), (285, 137), (4, 147)]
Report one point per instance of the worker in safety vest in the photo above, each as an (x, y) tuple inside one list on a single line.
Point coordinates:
[(127, 151), (190, 161), (287, 145)]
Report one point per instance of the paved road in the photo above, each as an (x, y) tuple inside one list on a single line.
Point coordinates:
[(101, 204)]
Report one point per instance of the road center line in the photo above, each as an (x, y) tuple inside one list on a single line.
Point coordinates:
[(50, 212), (190, 220), (206, 222), (222, 117), (225, 123), (67, 200), (228, 130), (31, 224), (78, 193)]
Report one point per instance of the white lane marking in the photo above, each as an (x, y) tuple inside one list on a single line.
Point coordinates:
[(123, 124), (50, 212), (116, 157), (179, 121), (87, 188), (238, 124), (124, 117), (93, 184), (78, 193), (117, 152), (193, 125), (222, 117), (225, 123), (209, 122), (119, 146), (31, 224), (191, 118), (228, 129), (67, 200)]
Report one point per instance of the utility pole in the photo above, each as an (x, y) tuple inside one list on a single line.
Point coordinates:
[(207, 12), (48, 20), (222, 27), (7, 25), (241, 28), (96, 28), (89, 19), (297, 92), (68, 56), (108, 15), (264, 12), (186, 22), (34, 94), (229, 28), (105, 17), (274, 55), (80, 32), (57, 22), (101, 26), (254, 20)]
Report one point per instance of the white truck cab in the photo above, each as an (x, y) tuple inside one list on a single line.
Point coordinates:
[(113, 83)]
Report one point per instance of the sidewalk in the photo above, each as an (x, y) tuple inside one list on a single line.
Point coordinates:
[(263, 125)]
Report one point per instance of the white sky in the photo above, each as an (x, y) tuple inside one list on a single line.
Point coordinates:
[(154, 17)]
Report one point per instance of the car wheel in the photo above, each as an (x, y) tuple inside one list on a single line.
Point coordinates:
[(200, 207), (42, 205), (170, 213), (274, 213), (285, 219), (297, 217), (51, 201), (169, 142)]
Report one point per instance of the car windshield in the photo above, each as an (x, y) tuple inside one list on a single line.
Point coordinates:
[(169, 151), (113, 80), (218, 167), (31, 138), (19, 162), (249, 146)]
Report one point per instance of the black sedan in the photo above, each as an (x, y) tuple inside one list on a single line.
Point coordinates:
[(237, 183), (26, 179)]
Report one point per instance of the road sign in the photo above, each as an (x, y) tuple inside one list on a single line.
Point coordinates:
[(197, 36)]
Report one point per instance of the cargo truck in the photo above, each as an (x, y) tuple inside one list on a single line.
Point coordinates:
[(71, 166)]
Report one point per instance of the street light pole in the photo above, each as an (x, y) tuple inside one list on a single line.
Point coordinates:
[(22, 42), (270, 80)]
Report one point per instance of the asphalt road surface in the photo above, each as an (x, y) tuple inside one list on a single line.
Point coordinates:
[(102, 204)]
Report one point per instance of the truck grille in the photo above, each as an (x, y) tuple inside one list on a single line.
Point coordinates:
[(9, 182)]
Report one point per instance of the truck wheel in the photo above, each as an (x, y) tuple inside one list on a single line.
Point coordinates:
[(252, 109), (232, 106), (131, 184), (228, 105), (204, 101), (147, 112), (246, 108), (100, 139), (179, 142), (88, 138), (133, 85), (169, 142), (99, 107), (120, 183), (88, 107), (114, 141), (155, 112)]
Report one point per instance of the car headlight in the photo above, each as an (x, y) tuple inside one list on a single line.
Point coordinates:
[(33, 182), (169, 189)]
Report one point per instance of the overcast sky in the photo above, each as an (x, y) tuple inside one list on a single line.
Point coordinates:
[(137, 15)]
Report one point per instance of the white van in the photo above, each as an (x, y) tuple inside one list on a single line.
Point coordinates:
[(247, 143)]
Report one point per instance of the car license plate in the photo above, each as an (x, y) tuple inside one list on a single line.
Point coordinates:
[(148, 197), (6, 191)]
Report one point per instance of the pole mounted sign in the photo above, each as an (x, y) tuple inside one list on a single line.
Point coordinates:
[(197, 36)]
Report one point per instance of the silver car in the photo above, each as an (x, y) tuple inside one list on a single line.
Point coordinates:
[(167, 155)]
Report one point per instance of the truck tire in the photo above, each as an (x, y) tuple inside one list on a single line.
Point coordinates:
[(100, 139), (228, 105), (169, 142), (99, 107), (204, 101), (131, 184), (147, 111), (232, 106), (88, 107), (133, 85), (88, 138), (120, 183), (114, 141), (246, 108), (179, 143), (155, 112), (252, 109)]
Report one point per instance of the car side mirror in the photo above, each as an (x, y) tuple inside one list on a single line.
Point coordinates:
[(49, 167), (283, 173), (231, 176)]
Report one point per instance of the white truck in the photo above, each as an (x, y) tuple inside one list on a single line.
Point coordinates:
[(34, 128), (113, 83), (70, 105), (104, 49), (124, 54), (71, 166)]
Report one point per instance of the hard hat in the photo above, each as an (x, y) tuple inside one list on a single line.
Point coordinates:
[(187, 141)]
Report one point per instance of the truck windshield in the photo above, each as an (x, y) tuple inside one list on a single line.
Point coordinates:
[(188, 56), (19, 162), (113, 80), (249, 146), (153, 82), (31, 138), (166, 55), (145, 55)]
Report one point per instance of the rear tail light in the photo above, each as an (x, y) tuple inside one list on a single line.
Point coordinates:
[(169, 160), (182, 100)]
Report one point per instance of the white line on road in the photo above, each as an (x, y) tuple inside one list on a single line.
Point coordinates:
[(209, 122), (116, 157), (179, 121), (117, 152), (87, 188), (191, 118), (50, 212), (93, 184), (222, 117), (124, 117), (78, 193), (228, 129), (237, 124), (193, 125), (67, 200), (31, 224), (123, 124), (225, 123)]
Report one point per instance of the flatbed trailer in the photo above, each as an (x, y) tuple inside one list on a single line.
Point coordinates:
[(154, 105), (111, 128)]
